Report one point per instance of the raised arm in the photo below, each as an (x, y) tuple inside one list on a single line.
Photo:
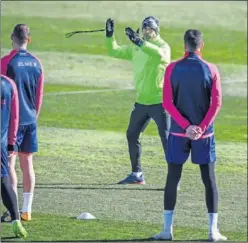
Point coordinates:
[(121, 52), (162, 52), (114, 50)]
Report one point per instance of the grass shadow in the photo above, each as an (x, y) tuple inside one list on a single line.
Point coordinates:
[(101, 187)]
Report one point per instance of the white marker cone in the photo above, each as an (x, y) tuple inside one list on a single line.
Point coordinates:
[(86, 216)]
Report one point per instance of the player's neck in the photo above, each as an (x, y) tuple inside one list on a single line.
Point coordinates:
[(188, 51), (18, 47), (193, 51)]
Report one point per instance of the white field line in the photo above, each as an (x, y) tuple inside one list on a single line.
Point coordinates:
[(85, 91)]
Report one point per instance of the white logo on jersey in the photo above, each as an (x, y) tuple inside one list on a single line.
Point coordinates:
[(27, 64)]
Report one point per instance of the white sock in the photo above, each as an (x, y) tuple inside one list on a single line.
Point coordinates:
[(27, 202), (178, 186), (212, 222), (168, 220), (138, 174)]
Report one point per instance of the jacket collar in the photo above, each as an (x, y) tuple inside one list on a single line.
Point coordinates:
[(187, 53), (17, 50)]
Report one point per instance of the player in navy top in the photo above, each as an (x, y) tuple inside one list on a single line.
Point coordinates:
[(192, 96), (27, 72), (9, 127)]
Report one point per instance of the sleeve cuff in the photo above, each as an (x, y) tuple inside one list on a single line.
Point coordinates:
[(186, 125), (203, 128), (143, 46), (140, 43), (12, 147)]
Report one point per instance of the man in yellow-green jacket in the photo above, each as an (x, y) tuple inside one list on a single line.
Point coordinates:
[(150, 55)]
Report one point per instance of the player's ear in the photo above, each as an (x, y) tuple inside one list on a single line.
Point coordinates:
[(202, 45), (29, 40), (11, 36)]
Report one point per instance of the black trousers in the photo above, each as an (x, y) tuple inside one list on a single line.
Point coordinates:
[(9, 198), (139, 119), (208, 178)]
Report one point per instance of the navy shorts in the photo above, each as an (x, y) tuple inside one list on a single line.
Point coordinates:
[(4, 160), (27, 138), (202, 150)]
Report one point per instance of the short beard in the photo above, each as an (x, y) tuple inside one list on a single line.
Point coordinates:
[(148, 37)]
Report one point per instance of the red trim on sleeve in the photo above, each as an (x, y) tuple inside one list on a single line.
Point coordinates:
[(5, 61), (216, 98), (168, 99), (14, 114), (39, 89), (39, 94)]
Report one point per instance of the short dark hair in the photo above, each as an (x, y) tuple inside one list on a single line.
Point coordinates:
[(21, 32), (193, 39)]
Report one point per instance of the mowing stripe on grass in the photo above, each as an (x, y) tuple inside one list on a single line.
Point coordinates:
[(86, 91), (229, 91), (230, 15), (223, 46), (105, 72), (111, 111)]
